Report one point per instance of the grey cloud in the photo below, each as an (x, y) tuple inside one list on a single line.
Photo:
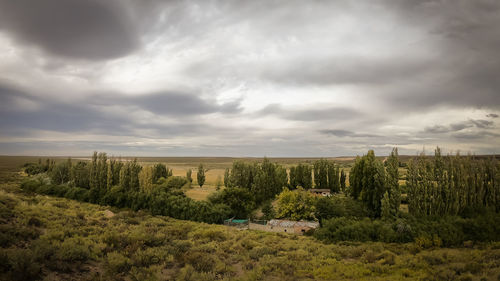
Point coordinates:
[(169, 103), (309, 114), (343, 70), (455, 127), (437, 129), (87, 29), (482, 123), (91, 114), (475, 135), (467, 38), (492, 115), (346, 133)]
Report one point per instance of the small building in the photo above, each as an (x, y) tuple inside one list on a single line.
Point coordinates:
[(320, 192), (287, 226)]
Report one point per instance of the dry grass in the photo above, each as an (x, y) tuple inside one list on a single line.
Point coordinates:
[(200, 194)]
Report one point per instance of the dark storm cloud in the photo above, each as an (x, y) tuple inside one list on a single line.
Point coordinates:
[(309, 114), (492, 115), (346, 133), (83, 29), (467, 38)]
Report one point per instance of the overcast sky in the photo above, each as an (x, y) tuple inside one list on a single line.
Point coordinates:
[(248, 78)]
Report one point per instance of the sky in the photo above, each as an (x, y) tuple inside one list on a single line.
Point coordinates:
[(257, 78)]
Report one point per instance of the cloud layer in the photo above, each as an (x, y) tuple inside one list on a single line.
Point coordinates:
[(248, 78)]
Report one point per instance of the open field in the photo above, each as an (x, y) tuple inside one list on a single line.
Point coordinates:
[(51, 238)]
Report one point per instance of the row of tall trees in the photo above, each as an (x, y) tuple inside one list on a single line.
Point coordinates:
[(327, 175), (301, 175), (265, 180), (101, 174), (376, 187), (452, 185)]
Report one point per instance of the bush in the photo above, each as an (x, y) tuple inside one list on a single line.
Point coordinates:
[(22, 265), (175, 182), (202, 262), (117, 263), (73, 250), (260, 251)]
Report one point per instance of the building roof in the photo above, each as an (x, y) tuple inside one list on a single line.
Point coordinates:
[(287, 223), (319, 190)]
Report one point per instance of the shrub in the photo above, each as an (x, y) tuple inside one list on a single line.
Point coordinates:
[(22, 266), (202, 262), (259, 251), (175, 182), (73, 250), (117, 263)]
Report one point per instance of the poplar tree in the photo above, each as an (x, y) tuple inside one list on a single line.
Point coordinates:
[(109, 176), (146, 179), (135, 169), (342, 181), (94, 180), (386, 212), (242, 174), (159, 171), (367, 180), (269, 181), (188, 175), (201, 175), (293, 177), (392, 182), (356, 177), (321, 174), (452, 185), (227, 178)]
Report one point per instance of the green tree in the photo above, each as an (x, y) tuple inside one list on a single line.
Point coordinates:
[(367, 179), (188, 175), (321, 174), (386, 209), (296, 205), (201, 175), (269, 181), (239, 200), (81, 174), (301, 175), (146, 179), (60, 173), (342, 181), (392, 182), (227, 178), (356, 177), (94, 179), (373, 183), (268, 211), (242, 174), (333, 177), (160, 171)]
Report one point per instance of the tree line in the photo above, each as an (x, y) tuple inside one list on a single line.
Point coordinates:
[(377, 186), (453, 185)]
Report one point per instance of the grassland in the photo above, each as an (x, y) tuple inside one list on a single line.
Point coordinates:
[(60, 239)]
